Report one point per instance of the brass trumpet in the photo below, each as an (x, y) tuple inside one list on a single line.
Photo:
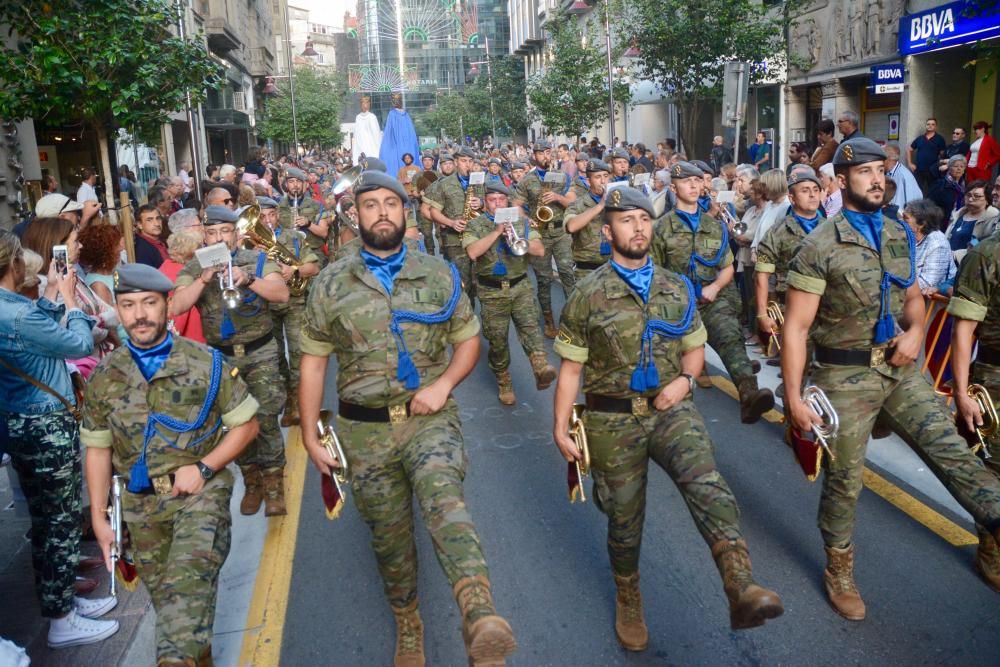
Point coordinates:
[(984, 401), (818, 402), (739, 227), (775, 313), (256, 234), (332, 486), (518, 246), (579, 435), (230, 294)]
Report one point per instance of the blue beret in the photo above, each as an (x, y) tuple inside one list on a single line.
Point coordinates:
[(373, 164), (293, 172), (465, 151), (619, 154), (266, 202), (685, 170), (541, 146), (217, 215), (704, 166), (140, 278), (446, 157)]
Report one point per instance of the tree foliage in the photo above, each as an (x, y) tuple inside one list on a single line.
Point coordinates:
[(110, 63), (319, 97), (683, 48), (570, 95)]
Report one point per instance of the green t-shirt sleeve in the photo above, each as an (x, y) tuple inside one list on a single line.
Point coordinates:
[(571, 343), (807, 270)]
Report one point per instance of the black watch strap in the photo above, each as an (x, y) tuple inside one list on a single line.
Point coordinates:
[(206, 472), (690, 379)]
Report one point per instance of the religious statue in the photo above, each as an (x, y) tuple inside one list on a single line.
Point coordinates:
[(400, 137), (367, 135)]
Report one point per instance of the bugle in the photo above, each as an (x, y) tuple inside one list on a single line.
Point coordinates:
[(121, 566), (775, 313), (230, 294), (518, 246), (987, 408), (332, 486), (578, 468)]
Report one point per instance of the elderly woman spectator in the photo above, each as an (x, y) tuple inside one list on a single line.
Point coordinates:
[(776, 190), (949, 192), (973, 222), (181, 246), (41, 435), (31, 286), (833, 200), (935, 265)]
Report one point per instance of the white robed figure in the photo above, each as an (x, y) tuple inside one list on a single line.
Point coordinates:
[(367, 133)]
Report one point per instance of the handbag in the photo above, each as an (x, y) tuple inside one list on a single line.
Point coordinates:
[(73, 410)]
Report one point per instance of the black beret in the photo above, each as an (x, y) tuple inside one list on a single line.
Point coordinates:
[(373, 164)]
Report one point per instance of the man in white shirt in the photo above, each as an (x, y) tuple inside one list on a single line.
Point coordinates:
[(907, 189), (86, 191)]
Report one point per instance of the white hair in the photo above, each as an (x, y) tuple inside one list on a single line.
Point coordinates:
[(663, 176), (747, 170), (226, 170), (186, 217), (827, 170)]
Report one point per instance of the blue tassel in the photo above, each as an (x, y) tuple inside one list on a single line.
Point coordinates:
[(499, 269), (407, 372), (605, 248), (652, 375), (697, 289), (139, 476), (885, 329), (227, 329), (638, 383)]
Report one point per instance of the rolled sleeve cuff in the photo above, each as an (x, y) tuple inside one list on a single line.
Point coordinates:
[(433, 204), (966, 310), (467, 331), (183, 281), (242, 413), (316, 348), (806, 283), (97, 439), (571, 352), (468, 239), (695, 339), (764, 267)]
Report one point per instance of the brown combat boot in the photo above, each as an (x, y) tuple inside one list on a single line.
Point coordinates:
[(988, 559), (550, 326), (754, 402), (253, 495), (290, 415), (630, 626), (274, 492), (205, 659), (409, 637), (750, 605), (545, 373), (488, 637), (840, 587), (505, 387)]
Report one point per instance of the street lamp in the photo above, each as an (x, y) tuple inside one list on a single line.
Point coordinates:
[(309, 51), (611, 81), (474, 72)]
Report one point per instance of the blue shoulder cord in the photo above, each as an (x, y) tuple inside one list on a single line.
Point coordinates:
[(710, 263), (139, 473), (885, 328), (645, 376), (407, 370), (227, 328)]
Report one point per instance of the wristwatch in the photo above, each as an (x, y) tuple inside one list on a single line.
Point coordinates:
[(251, 279), (690, 379), (206, 472)]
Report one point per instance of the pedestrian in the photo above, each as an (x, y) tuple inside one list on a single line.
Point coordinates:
[(907, 188), (923, 154), (244, 335), (827, 144), (832, 198), (149, 249), (848, 123), (86, 191), (721, 154), (760, 156), (949, 192), (852, 290), (399, 425), (180, 247), (973, 222), (983, 154), (959, 146), (168, 415), (100, 252), (638, 379), (584, 221), (935, 264)]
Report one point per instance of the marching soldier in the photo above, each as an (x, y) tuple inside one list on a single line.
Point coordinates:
[(976, 308), (309, 214), (287, 317), (558, 245), (424, 222), (155, 409), (638, 375), (245, 336), (517, 172), (580, 182), (585, 218), (444, 203), (619, 165), (692, 243), (398, 422), (505, 294), (852, 288)]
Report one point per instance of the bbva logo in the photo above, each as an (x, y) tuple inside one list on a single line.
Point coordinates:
[(932, 25)]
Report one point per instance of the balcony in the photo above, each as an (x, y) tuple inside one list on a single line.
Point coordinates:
[(222, 37), (261, 61), (226, 119)]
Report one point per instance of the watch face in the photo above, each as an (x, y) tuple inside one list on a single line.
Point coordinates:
[(206, 472)]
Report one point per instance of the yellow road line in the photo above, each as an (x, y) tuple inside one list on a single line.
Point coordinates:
[(266, 617), (945, 528)]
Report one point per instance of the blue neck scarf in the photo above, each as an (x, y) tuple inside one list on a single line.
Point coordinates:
[(406, 371), (462, 180), (583, 181), (605, 246), (541, 173), (807, 224), (638, 279), (619, 179), (870, 226), (646, 376), (385, 269), (227, 328), (151, 359), (693, 220), (704, 203)]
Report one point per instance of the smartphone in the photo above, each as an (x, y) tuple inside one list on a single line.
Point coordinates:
[(60, 255)]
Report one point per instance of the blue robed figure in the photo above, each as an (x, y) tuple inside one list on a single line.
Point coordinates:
[(398, 137)]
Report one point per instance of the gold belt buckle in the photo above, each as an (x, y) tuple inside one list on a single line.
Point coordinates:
[(504, 284), (878, 357), (162, 485), (640, 406), (239, 351), (397, 414)]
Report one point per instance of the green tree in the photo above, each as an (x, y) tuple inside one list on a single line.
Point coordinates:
[(110, 63), (570, 94), (683, 48), (319, 98), (448, 114)]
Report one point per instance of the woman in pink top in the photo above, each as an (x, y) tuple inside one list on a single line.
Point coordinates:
[(180, 248)]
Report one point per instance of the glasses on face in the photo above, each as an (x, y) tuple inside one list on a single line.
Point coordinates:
[(973, 196)]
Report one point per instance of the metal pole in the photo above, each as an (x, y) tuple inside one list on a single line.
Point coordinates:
[(741, 70), (489, 73), (196, 164), (399, 49), (611, 92), (291, 80)]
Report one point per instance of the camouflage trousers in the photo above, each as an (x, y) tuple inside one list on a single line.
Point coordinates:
[(180, 545), (621, 446), (426, 226), (558, 244), (260, 370), (390, 463), (288, 319), (498, 307), (45, 452), (722, 322), (909, 406), (452, 250)]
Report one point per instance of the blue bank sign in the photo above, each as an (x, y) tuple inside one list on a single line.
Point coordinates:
[(887, 78), (948, 25)]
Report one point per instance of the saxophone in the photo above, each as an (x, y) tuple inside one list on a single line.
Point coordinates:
[(476, 188)]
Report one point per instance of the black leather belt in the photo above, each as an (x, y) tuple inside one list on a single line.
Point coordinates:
[(160, 486), (245, 348), (637, 405), (988, 356), (876, 356), (395, 414), (554, 225), (589, 266), (498, 283)]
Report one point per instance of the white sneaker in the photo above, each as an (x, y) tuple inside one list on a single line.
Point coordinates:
[(76, 630), (94, 608)]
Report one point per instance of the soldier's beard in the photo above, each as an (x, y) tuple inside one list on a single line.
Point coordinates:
[(382, 240), (861, 202), (630, 251), (150, 337)]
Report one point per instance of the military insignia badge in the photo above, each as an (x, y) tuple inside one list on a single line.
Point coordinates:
[(616, 198), (677, 170), (234, 372), (849, 153), (114, 277)]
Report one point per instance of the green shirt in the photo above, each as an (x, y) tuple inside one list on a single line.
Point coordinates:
[(447, 195), (482, 227), (587, 241), (777, 248), (309, 209), (530, 190), (674, 243), (976, 295)]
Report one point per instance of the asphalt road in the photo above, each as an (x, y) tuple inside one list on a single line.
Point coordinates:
[(552, 581)]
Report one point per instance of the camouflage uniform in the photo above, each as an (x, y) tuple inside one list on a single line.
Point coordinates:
[(586, 241), (500, 305), (348, 314), (259, 367), (557, 242), (287, 317), (601, 327), (310, 209), (179, 543), (836, 262), (448, 196)]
